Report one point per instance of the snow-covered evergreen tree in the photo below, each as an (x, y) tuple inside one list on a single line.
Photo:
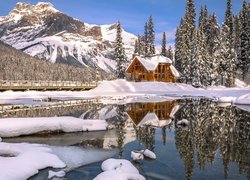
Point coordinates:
[(141, 45), (163, 45), (228, 46), (170, 53), (146, 40), (136, 50), (213, 45), (199, 66), (151, 37), (178, 47), (244, 44), (120, 53), (228, 58)]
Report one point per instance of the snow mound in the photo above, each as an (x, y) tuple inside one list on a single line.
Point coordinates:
[(25, 160), (226, 99), (123, 86), (149, 154), (121, 169), (11, 127), (244, 99), (59, 174)]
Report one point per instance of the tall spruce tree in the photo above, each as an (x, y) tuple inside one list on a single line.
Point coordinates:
[(151, 37), (170, 53), (213, 45), (120, 53), (163, 45), (228, 46), (136, 48), (146, 39), (244, 45), (178, 47)]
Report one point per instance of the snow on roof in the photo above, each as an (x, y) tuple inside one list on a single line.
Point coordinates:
[(153, 120), (150, 63)]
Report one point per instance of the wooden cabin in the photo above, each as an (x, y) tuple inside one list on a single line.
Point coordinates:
[(142, 112), (156, 68)]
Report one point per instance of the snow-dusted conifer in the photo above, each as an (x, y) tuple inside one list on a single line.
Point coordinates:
[(136, 48), (120, 53), (151, 37), (244, 46), (213, 45), (163, 45), (170, 53), (145, 40)]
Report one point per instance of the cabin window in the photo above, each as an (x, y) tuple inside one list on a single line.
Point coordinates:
[(155, 75)]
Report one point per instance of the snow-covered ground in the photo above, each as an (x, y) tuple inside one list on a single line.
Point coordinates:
[(118, 91), (11, 127), (22, 160)]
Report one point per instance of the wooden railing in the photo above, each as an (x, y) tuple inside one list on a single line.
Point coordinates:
[(46, 85)]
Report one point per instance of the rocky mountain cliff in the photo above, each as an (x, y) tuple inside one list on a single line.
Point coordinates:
[(44, 32)]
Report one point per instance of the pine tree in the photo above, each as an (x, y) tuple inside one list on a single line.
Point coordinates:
[(228, 21), (120, 53), (163, 46), (170, 53), (213, 44), (151, 37), (244, 45), (178, 47), (146, 40), (136, 49), (228, 46), (141, 45)]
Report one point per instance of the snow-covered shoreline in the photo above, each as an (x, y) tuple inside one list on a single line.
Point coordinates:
[(123, 90), (12, 127)]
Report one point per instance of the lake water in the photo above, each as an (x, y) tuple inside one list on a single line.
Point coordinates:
[(214, 145)]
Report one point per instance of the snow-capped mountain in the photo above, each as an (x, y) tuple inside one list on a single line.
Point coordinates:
[(42, 31)]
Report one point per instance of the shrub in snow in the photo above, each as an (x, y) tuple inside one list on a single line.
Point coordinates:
[(121, 169), (59, 174)]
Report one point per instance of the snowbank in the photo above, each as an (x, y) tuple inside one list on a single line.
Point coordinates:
[(25, 160), (244, 99), (119, 169), (11, 127)]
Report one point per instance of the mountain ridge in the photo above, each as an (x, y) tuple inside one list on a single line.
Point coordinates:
[(44, 32)]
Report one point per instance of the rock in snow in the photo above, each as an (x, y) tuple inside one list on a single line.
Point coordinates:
[(11, 127), (121, 169)]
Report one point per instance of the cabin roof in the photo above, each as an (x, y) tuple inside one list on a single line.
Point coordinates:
[(150, 63)]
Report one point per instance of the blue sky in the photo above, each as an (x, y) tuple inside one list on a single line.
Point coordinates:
[(132, 13)]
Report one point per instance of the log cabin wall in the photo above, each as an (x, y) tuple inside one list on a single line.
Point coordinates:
[(162, 72)]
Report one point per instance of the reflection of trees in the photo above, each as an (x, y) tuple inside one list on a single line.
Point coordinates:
[(146, 136), (211, 128), (120, 126)]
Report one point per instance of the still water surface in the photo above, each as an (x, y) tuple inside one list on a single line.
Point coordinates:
[(214, 145)]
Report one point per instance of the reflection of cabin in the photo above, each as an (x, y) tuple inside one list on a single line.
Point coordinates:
[(148, 113), (156, 68)]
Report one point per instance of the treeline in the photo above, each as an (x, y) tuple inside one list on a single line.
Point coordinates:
[(16, 65), (210, 54)]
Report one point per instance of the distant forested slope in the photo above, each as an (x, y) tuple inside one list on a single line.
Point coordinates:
[(16, 65)]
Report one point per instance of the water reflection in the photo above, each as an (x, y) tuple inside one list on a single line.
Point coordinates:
[(215, 144)]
